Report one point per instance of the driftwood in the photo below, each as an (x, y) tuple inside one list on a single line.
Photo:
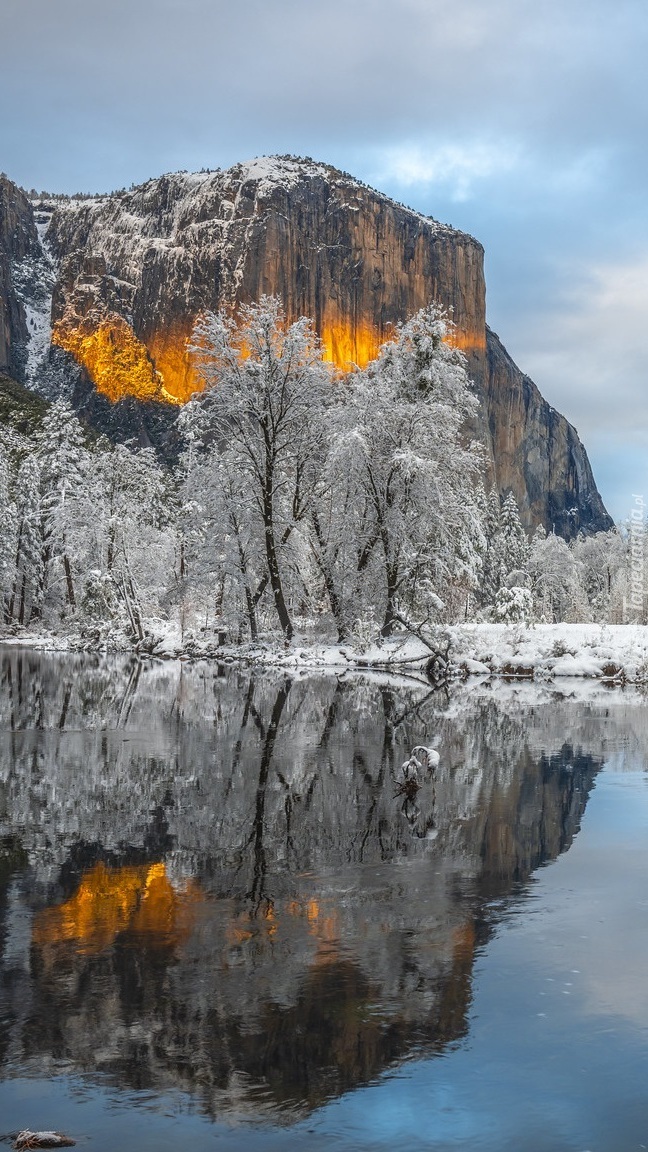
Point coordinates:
[(421, 760), (28, 1139), (435, 661)]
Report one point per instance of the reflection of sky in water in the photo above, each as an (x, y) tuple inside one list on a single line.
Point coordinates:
[(557, 1055), (558, 1049)]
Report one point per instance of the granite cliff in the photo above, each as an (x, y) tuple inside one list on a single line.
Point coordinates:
[(132, 270), (18, 243)]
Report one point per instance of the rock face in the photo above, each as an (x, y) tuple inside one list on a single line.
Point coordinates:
[(536, 453), (137, 267), (18, 242)]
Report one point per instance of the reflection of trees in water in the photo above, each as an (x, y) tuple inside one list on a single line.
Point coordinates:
[(305, 931)]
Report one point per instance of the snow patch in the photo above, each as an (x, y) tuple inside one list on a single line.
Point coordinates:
[(33, 279)]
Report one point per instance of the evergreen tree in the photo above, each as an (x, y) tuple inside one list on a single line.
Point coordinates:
[(8, 524), (514, 546)]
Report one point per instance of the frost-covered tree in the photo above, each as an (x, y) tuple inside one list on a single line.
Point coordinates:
[(492, 563), (133, 531), (415, 518), (514, 549), (23, 598), (507, 549), (513, 605), (8, 524), (601, 559), (266, 390), (223, 555), (63, 466), (555, 580)]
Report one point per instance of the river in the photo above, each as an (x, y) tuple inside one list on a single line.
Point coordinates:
[(224, 924)]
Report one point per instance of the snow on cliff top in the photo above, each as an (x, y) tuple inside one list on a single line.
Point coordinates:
[(182, 216), (195, 192)]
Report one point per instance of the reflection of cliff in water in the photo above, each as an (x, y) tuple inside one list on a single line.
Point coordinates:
[(212, 883)]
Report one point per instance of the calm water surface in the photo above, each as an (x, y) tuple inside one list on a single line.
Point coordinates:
[(221, 925)]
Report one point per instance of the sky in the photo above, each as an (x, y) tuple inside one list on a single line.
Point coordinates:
[(524, 123)]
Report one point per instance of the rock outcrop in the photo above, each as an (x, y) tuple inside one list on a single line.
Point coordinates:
[(536, 453), (18, 242), (136, 268)]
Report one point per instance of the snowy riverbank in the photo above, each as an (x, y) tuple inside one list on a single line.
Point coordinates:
[(542, 652), (616, 653)]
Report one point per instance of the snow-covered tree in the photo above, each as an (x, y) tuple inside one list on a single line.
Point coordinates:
[(513, 605), (492, 562), (63, 462), (514, 550), (133, 531), (415, 521), (266, 389), (555, 580), (601, 557), (507, 549), (23, 598), (8, 524)]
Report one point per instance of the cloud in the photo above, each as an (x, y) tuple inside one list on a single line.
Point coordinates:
[(589, 345), (214, 80), (459, 168), (586, 348), (522, 123)]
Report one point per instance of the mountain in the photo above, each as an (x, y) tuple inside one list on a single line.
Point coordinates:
[(129, 272)]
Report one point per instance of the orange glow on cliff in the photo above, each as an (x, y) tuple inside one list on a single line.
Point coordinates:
[(323, 926), (116, 361), (119, 364), (467, 341), (110, 901), (345, 346), (168, 351)]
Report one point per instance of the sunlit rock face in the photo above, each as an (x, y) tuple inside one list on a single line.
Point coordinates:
[(140, 900), (137, 267), (349, 258)]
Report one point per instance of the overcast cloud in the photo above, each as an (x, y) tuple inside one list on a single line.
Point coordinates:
[(521, 122)]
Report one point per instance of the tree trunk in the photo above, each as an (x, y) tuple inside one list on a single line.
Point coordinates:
[(21, 610), (265, 579), (271, 554), (9, 607), (41, 584), (68, 581), (329, 582), (110, 558), (250, 600), (390, 607)]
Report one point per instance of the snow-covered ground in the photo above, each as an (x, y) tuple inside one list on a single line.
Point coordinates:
[(544, 651), (541, 652)]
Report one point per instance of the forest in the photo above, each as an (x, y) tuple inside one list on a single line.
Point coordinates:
[(303, 503)]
